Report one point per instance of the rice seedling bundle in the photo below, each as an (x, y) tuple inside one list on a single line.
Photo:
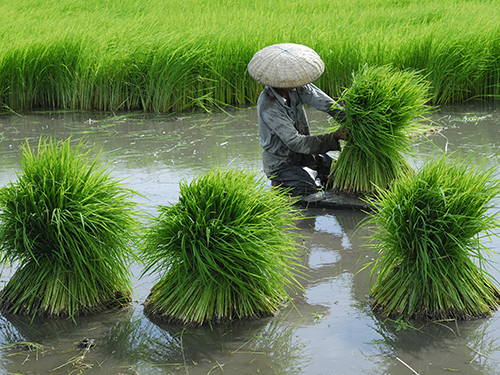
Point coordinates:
[(224, 251), (67, 223), (428, 232), (382, 104)]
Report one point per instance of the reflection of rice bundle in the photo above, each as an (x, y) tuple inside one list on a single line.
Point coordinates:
[(381, 104), (428, 230), (225, 250)]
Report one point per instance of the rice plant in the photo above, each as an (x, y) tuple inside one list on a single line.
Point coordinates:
[(428, 232), (67, 223), (382, 106), (133, 54), (224, 251)]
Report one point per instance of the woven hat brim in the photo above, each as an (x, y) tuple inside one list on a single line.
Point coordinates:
[(286, 65)]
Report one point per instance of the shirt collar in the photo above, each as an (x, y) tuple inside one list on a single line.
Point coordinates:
[(279, 97)]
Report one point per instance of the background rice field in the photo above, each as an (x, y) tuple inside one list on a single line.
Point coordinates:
[(162, 56)]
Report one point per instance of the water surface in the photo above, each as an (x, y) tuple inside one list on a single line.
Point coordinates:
[(330, 327)]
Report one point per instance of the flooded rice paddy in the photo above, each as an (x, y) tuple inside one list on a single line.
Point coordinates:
[(330, 327)]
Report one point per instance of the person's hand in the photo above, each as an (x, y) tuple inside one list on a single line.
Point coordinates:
[(341, 133), (338, 114)]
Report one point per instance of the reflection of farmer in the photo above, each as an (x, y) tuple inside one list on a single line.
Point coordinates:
[(291, 156)]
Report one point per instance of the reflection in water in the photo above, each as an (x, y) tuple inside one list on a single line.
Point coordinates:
[(329, 328), (58, 343), (428, 347), (38, 329), (268, 344)]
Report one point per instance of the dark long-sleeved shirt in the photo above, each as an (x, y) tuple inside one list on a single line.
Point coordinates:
[(284, 129)]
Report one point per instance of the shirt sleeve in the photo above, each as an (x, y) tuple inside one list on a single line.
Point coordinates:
[(282, 125), (316, 98)]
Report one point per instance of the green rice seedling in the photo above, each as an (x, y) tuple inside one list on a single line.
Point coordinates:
[(131, 55), (224, 251), (382, 106), (428, 232), (67, 223)]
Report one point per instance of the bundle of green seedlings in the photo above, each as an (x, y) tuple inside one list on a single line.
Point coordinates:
[(428, 232), (67, 224), (383, 107), (225, 251)]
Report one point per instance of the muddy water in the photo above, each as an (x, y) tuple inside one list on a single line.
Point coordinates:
[(329, 329)]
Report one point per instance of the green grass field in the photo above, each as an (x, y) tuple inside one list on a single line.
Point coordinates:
[(175, 55)]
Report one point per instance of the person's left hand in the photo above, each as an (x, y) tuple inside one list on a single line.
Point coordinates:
[(338, 114)]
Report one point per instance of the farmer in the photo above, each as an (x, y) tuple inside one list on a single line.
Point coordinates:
[(292, 157)]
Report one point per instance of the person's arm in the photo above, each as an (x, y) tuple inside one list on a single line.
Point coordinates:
[(282, 125), (316, 98), (338, 114)]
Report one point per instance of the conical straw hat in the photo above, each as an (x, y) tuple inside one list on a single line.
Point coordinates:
[(286, 65)]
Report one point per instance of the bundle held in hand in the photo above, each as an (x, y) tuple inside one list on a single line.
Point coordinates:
[(383, 105)]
